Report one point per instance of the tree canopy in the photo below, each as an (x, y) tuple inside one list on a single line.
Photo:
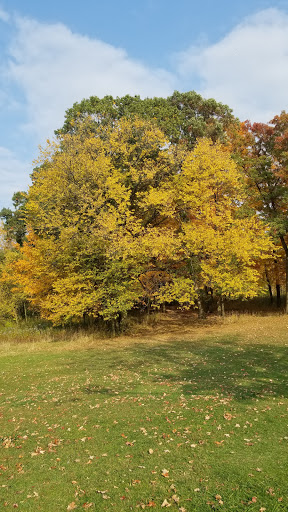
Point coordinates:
[(120, 217), (183, 117), (142, 202)]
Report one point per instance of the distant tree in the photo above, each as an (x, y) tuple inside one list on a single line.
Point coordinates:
[(14, 223), (13, 301)]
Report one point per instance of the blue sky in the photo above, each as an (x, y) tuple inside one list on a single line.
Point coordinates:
[(55, 53)]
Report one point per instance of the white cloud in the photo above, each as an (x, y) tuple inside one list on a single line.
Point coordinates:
[(14, 175), (247, 69), (50, 68), (55, 67), (4, 16)]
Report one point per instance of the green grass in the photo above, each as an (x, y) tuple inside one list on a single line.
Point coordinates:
[(79, 417)]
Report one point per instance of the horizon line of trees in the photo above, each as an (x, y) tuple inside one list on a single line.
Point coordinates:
[(141, 203)]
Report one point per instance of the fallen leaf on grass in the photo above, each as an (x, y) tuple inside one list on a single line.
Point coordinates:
[(71, 506), (38, 451), (166, 504), (165, 473), (150, 451), (8, 443), (34, 495)]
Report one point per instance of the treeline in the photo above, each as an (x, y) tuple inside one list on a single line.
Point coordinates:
[(141, 203)]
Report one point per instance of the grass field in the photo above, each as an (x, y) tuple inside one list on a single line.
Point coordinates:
[(183, 415)]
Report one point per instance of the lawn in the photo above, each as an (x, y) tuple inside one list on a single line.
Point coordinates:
[(186, 416)]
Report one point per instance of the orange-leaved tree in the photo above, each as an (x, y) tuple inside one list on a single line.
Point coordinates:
[(262, 151)]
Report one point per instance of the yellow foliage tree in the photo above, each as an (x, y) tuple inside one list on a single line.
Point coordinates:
[(118, 216), (218, 245), (88, 243)]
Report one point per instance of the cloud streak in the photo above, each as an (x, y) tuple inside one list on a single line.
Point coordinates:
[(4, 16), (14, 174), (55, 67)]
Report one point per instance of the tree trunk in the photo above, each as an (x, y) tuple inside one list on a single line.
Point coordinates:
[(278, 295), (269, 286), (270, 293), (284, 245), (112, 327), (148, 306), (201, 310), (119, 322), (286, 296), (220, 306)]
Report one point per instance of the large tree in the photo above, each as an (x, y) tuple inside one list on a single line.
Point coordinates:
[(118, 216), (88, 242), (219, 242)]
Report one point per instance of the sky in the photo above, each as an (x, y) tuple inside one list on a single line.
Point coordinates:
[(55, 53)]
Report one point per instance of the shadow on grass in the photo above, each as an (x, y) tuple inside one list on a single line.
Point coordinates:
[(89, 390), (225, 367)]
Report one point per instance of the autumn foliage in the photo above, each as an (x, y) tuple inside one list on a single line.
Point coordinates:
[(121, 218)]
